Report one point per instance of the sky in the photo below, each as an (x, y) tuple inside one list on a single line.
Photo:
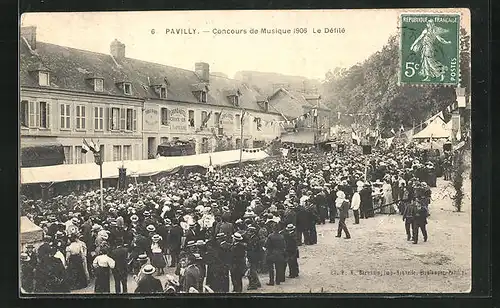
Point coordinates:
[(310, 55)]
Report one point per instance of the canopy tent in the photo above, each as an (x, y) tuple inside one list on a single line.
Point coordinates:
[(90, 171), (42, 155), (30, 233), (436, 129)]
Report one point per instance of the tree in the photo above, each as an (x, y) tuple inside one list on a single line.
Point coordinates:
[(371, 87)]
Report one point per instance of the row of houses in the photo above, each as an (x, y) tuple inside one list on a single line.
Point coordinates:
[(131, 106)]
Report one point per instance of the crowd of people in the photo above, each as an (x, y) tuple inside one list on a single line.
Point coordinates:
[(221, 226)]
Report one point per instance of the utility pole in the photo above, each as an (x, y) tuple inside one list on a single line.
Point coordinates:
[(241, 134)]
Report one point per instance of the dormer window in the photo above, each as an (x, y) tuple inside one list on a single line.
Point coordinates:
[(98, 85), (43, 78), (163, 92), (127, 88), (203, 96), (235, 100)]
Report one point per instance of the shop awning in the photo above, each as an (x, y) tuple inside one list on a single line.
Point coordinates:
[(150, 167)]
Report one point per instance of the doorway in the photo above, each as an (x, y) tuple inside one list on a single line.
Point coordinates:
[(151, 147)]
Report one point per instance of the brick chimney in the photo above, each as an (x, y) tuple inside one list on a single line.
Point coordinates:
[(202, 69), (29, 33), (117, 50)]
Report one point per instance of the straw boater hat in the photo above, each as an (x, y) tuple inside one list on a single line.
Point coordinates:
[(25, 257), (148, 269), (156, 238), (150, 228), (237, 236), (142, 257), (290, 227), (134, 218), (220, 235)]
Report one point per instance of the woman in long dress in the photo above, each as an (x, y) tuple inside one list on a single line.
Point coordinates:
[(157, 258), (76, 255), (102, 267), (387, 198)]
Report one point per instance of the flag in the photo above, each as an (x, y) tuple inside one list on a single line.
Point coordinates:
[(338, 115), (93, 146), (315, 112), (88, 146), (402, 128), (205, 121), (85, 147), (392, 131)]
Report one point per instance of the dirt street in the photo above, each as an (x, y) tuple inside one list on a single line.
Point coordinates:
[(379, 259)]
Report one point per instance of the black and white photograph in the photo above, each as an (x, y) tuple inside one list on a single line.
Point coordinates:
[(271, 151)]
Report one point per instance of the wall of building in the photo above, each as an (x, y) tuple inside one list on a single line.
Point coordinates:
[(56, 131), (177, 125)]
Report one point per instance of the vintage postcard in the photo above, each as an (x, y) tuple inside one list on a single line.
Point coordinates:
[(280, 151)]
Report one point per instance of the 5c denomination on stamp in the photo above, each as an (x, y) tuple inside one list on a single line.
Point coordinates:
[(429, 49)]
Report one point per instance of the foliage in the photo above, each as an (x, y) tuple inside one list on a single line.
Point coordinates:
[(371, 87)]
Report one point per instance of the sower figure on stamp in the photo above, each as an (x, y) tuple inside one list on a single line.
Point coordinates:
[(425, 44)]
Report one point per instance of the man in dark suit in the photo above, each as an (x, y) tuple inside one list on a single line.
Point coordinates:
[(119, 254), (275, 247), (254, 251), (174, 242), (238, 264), (149, 284), (343, 206), (192, 275), (292, 251)]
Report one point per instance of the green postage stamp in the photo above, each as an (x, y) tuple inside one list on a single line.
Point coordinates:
[(429, 49)]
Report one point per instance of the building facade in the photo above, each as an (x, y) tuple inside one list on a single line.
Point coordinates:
[(130, 106)]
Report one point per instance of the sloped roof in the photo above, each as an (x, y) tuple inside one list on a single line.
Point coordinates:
[(292, 103), (436, 129), (70, 69), (221, 88), (289, 105)]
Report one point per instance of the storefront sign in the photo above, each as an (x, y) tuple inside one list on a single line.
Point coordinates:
[(178, 119), (151, 119)]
